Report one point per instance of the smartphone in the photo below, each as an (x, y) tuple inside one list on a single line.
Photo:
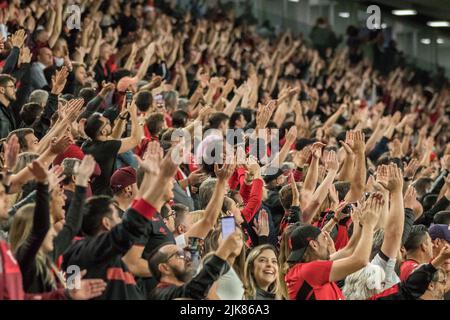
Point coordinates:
[(129, 96), (228, 226), (347, 209), (194, 244)]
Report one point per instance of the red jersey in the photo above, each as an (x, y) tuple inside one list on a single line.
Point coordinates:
[(11, 287), (407, 268), (311, 281)]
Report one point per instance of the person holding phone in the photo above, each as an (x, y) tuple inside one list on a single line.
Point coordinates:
[(230, 286), (172, 268)]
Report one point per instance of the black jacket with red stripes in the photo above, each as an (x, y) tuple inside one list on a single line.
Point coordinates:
[(101, 255), (412, 288)]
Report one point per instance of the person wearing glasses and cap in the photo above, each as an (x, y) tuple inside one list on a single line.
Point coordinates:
[(313, 266)]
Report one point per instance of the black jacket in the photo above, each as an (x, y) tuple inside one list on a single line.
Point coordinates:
[(411, 289), (198, 287), (8, 121), (101, 255)]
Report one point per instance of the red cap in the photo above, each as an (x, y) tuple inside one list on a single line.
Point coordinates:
[(122, 178)]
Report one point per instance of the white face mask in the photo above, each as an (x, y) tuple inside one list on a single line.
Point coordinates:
[(59, 62)]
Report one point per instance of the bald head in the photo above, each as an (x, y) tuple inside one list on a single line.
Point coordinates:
[(45, 56)]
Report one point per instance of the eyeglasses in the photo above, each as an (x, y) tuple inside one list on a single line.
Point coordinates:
[(181, 254), (171, 214)]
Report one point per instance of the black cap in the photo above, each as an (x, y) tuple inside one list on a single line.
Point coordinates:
[(299, 241), (271, 177)]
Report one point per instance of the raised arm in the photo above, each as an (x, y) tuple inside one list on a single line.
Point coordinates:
[(360, 257), (26, 253), (321, 192), (201, 228), (25, 175), (148, 55), (358, 180), (58, 24), (393, 228), (74, 217), (136, 131)]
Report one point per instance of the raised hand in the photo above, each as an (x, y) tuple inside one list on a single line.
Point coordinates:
[(25, 55), (411, 168), (89, 288), (331, 162), (73, 110), (410, 198), (291, 136), (204, 113), (295, 192), (18, 38), (446, 162), (231, 244), (347, 148), (55, 177), (224, 173), (85, 169), (392, 178), (107, 87), (371, 210), (316, 149), (330, 243), (396, 148), (170, 163), (152, 158), (339, 215), (11, 148), (60, 145), (59, 80), (196, 177), (358, 144), (265, 113), (38, 170), (262, 224)]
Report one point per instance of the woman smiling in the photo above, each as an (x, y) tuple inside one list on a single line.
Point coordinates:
[(261, 274)]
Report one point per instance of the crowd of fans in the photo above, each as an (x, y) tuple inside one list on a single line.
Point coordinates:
[(348, 199)]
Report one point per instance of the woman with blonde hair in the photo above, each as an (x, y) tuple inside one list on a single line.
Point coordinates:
[(34, 240), (31, 237), (261, 274), (230, 285)]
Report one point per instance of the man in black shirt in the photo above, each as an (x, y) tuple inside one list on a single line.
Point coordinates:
[(105, 145)]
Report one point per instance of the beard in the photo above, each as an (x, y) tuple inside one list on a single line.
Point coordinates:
[(10, 97), (183, 275)]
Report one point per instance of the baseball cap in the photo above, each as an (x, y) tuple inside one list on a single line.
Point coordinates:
[(440, 231), (299, 241), (122, 178), (270, 177)]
